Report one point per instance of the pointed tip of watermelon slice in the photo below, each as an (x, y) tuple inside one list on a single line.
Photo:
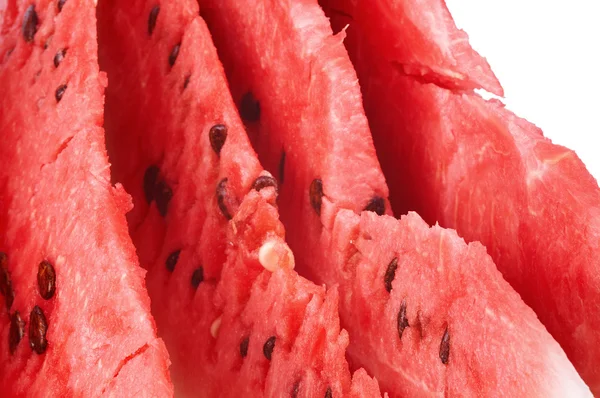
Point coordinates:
[(565, 381)]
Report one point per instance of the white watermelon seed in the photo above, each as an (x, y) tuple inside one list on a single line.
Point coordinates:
[(214, 328), (275, 254)]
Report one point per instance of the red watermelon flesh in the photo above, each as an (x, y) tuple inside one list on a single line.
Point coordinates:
[(474, 166), (441, 291), (418, 38), (447, 323), (68, 268), (299, 96), (287, 328), (207, 243)]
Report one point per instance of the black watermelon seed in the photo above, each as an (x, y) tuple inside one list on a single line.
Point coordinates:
[(60, 91), (5, 282), (244, 346), (315, 192), (250, 108), (162, 196), (377, 205), (268, 347), (419, 325), (328, 393), (152, 19), (197, 277), (61, 3), (59, 56), (217, 136), (46, 279), (37, 330), (390, 273), (281, 166), (186, 81), (172, 260), (174, 54), (402, 319), (295, 389), (445, 347), (30, 23), (264, 182), (221, 194), (150, 178), (16, 332)]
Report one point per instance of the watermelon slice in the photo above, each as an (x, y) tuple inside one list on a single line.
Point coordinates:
[(323, 105), (75, 317), (474, 166), (278, 334), (451, 325), (417, 38), (426, 313), (205, 223)]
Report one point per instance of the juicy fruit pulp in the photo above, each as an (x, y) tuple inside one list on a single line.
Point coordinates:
[(423, 343), (450, 155), (205, 222), (307, 98), (450, 323), (279, 334), (417, 38), (75, 314)]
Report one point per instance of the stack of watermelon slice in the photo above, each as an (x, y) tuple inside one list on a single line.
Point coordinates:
[(336, 299)]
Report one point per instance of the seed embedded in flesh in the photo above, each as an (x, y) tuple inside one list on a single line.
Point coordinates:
[(268, 347), (445, 347), (46, 279), (250, 108), (5, 282), (244, 346), (402, 319), (274, 254), (217, 136), (197, 277), (295, 389), (215, 326), (60, 91), (186, 81), (61, 3), (377, 205), (172, 260), (59, 56), (30, 24), (37, 330), (281, 166), (390, 273), (162, 196), (419, 326), (315, 192), (264, 182), (328, 393), (152, 19), (16, 332), (221, 195), (174, 54), (150, 178)]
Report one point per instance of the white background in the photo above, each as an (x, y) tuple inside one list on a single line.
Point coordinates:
[(546, 54)]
